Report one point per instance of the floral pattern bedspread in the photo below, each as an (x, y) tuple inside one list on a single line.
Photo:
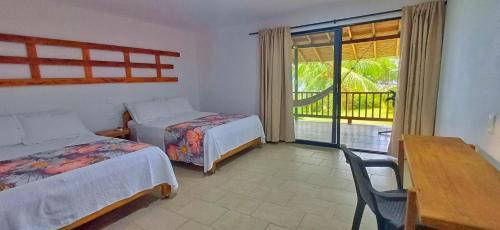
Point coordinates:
[(184, 141), (16, 172)]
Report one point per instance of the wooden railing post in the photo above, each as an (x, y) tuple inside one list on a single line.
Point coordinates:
[(348, 101)]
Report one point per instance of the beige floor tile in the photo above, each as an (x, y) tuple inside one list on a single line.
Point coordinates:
[(192, 225), (313, 222), (207, 193), (175, 202), (344, 212), (202, 211), (262, 167), (237, 221), (332, 155), (314, 169), (219, 178), (309, 160), (259, 192), (123, 224), (275, 227), (250, 176), (239, 202), (292, 174), (278, 186), (153, 218), (299, 188), (238, 186), (329, 181), (273, 182), (312, 205), (279, 197), (283, 216), (338, 196)]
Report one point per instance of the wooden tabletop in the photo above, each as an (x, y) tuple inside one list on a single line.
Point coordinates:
[(455, 186)]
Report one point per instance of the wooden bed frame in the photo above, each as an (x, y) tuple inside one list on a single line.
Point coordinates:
[(253, 143), (165, 193)]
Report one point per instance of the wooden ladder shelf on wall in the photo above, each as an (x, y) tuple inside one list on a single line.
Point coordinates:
[(35, 62)]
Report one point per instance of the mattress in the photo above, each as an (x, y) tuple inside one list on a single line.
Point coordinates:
[(217, 140), (59, 200)]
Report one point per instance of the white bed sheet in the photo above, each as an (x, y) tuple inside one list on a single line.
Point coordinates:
[(60, 200), (217, 140)]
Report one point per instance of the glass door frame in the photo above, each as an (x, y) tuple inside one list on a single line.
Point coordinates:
[(337, 58), (338, 29)]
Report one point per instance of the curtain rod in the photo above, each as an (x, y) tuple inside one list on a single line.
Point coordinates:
[(335, 21)]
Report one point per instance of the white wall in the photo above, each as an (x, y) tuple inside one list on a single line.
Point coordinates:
[(231, 83), (470, 78), (100, 106)]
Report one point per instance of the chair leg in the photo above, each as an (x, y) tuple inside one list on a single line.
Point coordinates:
[(360, 208)]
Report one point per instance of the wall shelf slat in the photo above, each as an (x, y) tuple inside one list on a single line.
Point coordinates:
[(34, 62)]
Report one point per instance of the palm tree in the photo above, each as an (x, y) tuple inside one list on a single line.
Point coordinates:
[(365, 75)]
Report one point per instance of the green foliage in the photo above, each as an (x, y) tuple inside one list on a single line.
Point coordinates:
[(365, 75)]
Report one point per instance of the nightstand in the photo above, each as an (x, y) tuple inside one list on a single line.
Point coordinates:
[(116, 133)]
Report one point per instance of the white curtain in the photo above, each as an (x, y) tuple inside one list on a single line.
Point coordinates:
[(419, 68)]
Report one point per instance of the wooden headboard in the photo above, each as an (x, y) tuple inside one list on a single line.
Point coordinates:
[(126, 118), (34, 62)]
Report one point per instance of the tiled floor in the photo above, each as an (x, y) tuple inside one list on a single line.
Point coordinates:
[(277, 186), (356, 136)]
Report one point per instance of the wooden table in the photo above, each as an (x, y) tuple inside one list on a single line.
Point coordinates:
[(455, 187)]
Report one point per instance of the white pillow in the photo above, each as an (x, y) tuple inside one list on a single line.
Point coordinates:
[(56, 124), (146, 111), (10, 131), (177, 105)]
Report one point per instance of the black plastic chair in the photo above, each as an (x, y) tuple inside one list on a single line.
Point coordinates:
[(388, 206)]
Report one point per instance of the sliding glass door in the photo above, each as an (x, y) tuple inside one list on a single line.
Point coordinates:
[(345, 79), (316, 81)]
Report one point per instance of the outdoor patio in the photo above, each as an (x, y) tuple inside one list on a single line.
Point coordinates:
[(354, 135)]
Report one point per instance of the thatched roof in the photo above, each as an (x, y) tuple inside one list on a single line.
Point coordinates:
[(371, 40)]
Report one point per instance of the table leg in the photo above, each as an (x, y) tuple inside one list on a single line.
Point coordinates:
[(411, 210)]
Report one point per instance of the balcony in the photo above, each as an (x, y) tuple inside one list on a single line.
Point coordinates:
[(366, 118)]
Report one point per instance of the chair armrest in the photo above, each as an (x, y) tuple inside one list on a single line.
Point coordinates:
[(386, 163)]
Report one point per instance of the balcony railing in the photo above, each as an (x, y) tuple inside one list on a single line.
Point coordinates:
[(370, 106)]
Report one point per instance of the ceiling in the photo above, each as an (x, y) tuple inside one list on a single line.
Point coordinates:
[(363, 41), (198, 13)]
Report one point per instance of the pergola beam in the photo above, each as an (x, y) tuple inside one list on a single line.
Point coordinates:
[(374, 34), (397, 47), (330, 39), (301, 55), (309, 39), (352, 44), (397, 40), (317, 54), (353, 41)]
